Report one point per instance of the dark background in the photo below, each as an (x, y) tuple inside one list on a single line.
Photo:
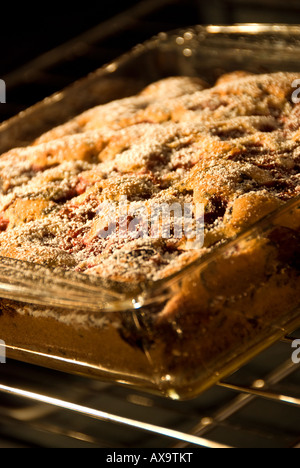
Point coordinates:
[(30, 33), (27, 31)]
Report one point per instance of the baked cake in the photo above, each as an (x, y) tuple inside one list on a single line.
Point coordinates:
[(233, 148)]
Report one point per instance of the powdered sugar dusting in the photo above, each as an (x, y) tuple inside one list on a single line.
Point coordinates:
[(234, 147)]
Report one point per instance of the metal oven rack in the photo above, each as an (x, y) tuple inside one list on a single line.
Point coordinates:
[(258, 406)]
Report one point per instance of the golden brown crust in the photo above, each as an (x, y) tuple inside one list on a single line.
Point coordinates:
[(233, 148), (228, 77)]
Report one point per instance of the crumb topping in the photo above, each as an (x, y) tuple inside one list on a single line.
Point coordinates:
[(234, 148)]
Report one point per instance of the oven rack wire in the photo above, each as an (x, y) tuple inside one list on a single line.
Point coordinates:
[(257, 407)]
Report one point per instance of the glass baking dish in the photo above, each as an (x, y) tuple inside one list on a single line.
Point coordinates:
[(178, 336)]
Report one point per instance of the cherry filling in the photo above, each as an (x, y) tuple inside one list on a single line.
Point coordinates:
[(215, 209), (3, 224)]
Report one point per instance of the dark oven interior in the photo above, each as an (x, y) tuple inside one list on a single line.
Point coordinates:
[(258, 406)]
